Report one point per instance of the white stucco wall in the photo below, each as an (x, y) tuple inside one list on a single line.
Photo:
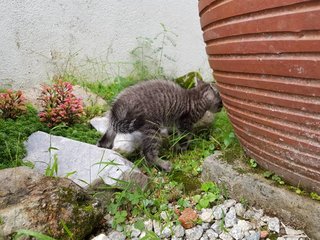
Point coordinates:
[(39, 37)]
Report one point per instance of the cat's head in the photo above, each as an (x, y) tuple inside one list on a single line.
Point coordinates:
[(211, 94)]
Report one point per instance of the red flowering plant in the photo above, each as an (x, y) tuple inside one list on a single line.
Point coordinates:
[(60, 105), (12, 104)]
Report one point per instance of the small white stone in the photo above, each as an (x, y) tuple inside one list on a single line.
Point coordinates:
[(230, 218), (178, 231), (194, 233), (157, 228), (148, 225), (116, 235), (225, 236), (274, 225), (229, 203), (166, 232), (142, 235), (210, 234), (206, 215), (244, 225), (101, 237), (217, 227), (240, 210), (218, 212), (135, 232), (236, 232)]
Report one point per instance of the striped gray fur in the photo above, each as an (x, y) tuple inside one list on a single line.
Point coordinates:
[(150, 105)]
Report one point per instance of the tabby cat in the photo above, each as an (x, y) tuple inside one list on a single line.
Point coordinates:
[(151, 105)]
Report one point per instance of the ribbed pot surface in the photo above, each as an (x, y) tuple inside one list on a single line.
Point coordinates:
[(266, 60)]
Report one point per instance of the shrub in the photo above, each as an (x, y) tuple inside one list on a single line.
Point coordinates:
[(60, 105), (12, 104)]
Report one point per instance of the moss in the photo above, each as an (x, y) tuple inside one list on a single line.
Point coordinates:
[(12, 135)]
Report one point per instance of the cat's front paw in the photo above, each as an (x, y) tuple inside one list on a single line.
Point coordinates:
[(165, 165)]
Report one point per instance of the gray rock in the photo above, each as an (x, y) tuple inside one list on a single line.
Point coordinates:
[(113, 235), (101, 237), (89, 162), (142, 235), (210, 234), (205, 226), (206, 215), (166, 232), (274, 225), (253, 214), (31, 201), (225, 236), (253, 236), (230, 218), (237, 232), (258, 191), (229, 203), (135, 232), (218, 212), (148, 225), (244, 225), (194, 233), (240, 210), (176, 238), (178, 231), (157, 228), (216, 226)]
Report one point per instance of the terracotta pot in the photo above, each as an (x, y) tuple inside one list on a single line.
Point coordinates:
[(266, 60)]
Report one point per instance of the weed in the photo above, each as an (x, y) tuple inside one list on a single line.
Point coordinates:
[(315, 196), (277, 179), (150, 53), (12, 104), (253, 163), (21, 234), (210, 194), (67, 230)]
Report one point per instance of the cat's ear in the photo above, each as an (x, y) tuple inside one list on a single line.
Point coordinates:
[(199, 82)]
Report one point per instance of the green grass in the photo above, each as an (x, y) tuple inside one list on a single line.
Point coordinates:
[(13, 133)]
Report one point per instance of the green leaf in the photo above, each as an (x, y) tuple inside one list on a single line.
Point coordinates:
[(70, 174), (204, 203), (206, 186), (315, 196), (267, 174), (39, 236), (196, 198), (139, 225)]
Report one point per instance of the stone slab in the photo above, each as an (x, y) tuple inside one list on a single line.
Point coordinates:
[(300, 211), (88, 162)]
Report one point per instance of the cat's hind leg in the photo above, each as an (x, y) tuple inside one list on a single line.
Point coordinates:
[(151, 141)]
